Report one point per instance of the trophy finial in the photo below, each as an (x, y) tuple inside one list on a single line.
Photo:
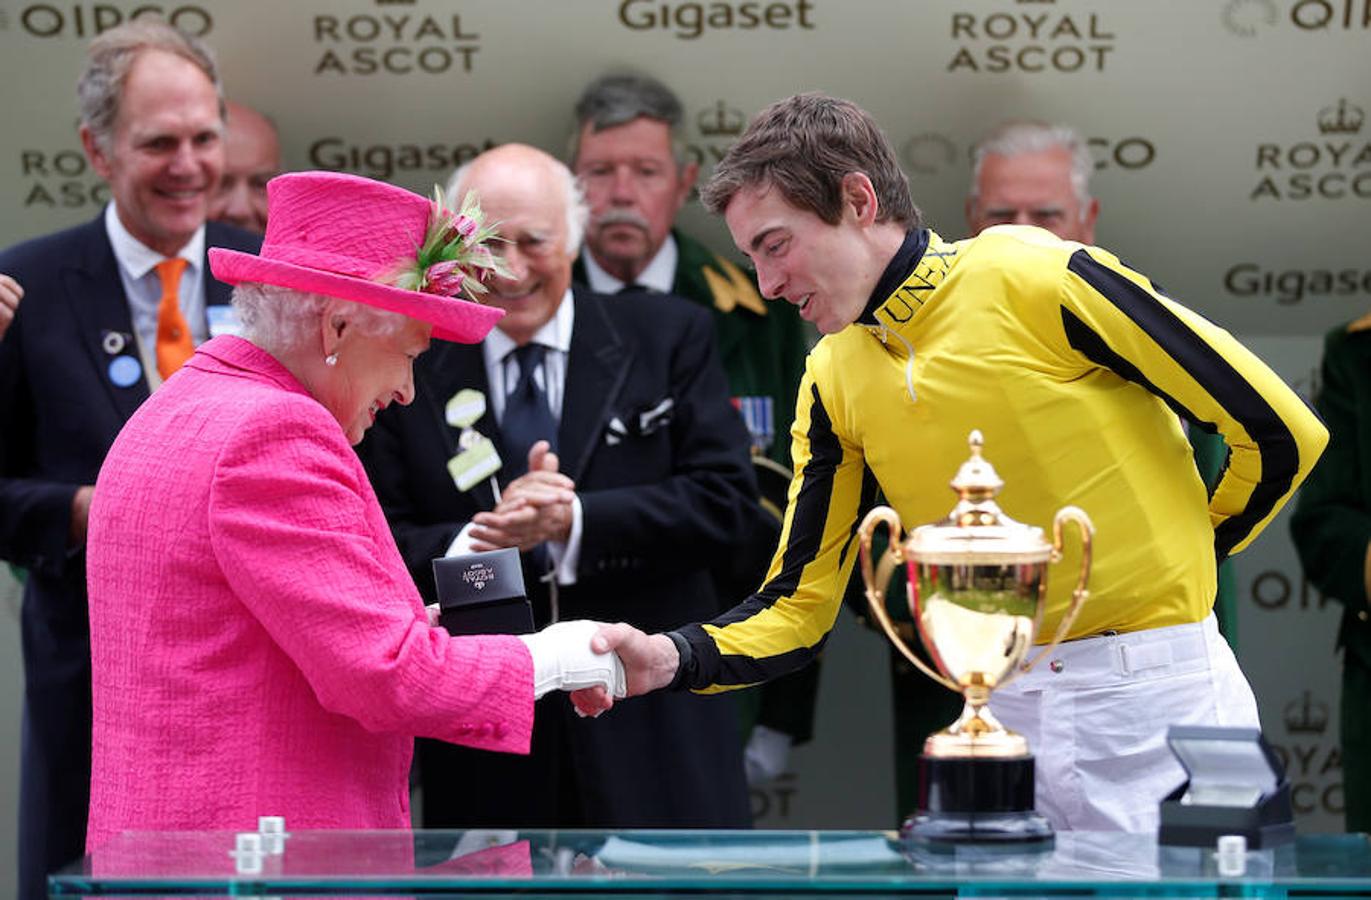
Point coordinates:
[(976, 479)]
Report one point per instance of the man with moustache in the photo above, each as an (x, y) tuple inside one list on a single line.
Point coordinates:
[(628, 153), (252, 157), (625, 478), (111, 309), (629, 156)]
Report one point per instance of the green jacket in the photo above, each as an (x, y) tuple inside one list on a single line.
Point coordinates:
[(1332, 521), (763, 344), (1211, 456)]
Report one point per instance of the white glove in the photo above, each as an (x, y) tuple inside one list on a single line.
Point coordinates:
[(766, 754), (563, 660)]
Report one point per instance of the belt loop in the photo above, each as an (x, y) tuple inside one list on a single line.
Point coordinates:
[(1124, 668)]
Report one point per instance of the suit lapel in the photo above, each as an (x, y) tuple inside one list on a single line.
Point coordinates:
[(95, 295), (597, 366), (446, 369)]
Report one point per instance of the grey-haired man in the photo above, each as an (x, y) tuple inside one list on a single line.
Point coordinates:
[(631, 159)]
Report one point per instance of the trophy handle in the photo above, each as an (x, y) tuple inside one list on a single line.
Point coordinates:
[(877, 580), (1080, 594)]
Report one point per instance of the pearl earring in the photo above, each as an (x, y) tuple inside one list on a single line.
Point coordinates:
[(331, 359)]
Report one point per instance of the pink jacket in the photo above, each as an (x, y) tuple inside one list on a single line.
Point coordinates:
[(257, 645)]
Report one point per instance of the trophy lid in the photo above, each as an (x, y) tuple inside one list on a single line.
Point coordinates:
[(977, 532)]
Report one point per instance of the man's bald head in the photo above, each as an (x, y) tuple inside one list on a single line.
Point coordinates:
[(535, 200), (525, 162)]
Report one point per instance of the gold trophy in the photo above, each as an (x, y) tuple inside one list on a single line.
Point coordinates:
[(978, 586)]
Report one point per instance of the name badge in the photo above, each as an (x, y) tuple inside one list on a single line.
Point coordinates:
[(124, 371), (465, 408), (477, 461)]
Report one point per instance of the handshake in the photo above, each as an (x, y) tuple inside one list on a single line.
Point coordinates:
[(599, 663)]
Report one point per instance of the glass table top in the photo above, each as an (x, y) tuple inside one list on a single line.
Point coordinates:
[(752, 863)]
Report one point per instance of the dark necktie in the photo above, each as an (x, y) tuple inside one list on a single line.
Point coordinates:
[(635, 288), (527, 417)]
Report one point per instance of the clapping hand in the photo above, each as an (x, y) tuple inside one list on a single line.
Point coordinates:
[(534, 508)]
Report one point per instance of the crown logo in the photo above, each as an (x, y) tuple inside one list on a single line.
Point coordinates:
[(720, 120), (1306, 716), (477, 575), (1345, 118)]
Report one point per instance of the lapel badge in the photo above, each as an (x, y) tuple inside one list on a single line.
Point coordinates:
[(476, 459), (465, 408), (125, 371), (114, 342)]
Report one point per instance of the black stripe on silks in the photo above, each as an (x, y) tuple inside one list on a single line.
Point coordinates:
[(709, 667), (866, 500), (704, 661), (1083, 338), (1279, 451)]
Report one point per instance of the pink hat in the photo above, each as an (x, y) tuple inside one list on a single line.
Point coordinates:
[(351, 237)]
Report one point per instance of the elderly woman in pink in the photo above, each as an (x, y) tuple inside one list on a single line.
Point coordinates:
[(258, 647)]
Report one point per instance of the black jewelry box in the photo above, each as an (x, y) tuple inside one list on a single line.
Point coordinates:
[(482, 593), (1236, 785)]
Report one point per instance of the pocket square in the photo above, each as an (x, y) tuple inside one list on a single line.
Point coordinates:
[(652, 419), (616, 431)]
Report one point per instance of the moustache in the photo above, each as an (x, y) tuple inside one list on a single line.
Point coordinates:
[(621, 217)]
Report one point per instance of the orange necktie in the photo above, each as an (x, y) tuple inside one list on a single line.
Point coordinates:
[(174, 344)]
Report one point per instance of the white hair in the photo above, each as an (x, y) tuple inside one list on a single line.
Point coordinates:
[(1021, 136), (574, 201), (282, 320)]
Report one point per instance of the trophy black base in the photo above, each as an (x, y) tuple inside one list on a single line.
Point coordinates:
[(977, 801)]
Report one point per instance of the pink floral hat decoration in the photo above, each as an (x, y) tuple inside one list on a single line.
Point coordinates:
[(357, 239)]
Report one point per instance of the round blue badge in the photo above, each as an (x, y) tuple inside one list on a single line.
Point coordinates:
[(125, 371)]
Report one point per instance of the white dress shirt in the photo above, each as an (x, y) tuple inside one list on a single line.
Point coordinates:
[(143, 288), (660, 274), (502, 374)]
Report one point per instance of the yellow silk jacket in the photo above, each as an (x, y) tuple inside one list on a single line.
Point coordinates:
[(1077, 370)]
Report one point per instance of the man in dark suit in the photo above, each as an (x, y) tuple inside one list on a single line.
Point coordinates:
[(110, 309), (639, 484)]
